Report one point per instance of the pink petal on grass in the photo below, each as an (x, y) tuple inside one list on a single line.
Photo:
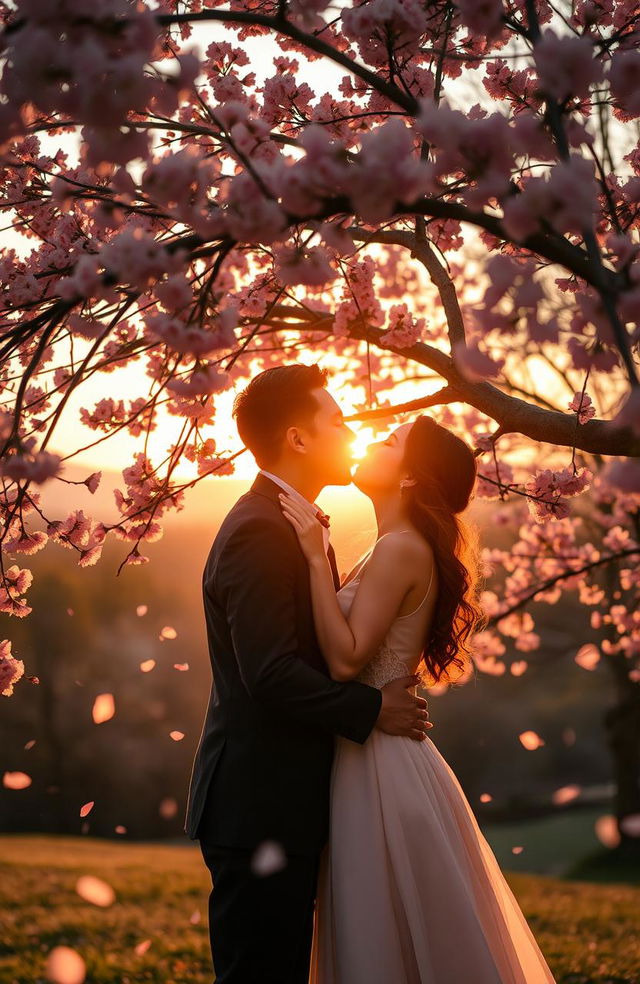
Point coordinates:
[(141, 948), (530, 740), (16, 780), (103, 708), (95, 890), (65, 966)]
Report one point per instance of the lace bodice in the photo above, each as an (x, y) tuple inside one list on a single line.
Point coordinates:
[(400, 652)]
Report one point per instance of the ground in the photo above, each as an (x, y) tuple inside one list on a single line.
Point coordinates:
[(587, 931)]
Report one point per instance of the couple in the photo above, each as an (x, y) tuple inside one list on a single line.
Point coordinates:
[(314, 752)]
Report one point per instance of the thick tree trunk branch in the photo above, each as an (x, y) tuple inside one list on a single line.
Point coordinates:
[(512, 414)]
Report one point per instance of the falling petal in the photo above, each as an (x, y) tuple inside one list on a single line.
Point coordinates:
[(16, 780), (569, 736), (95, 890), (120, 829), (87, 808), (141, 610), (588, 656), (486, 797), (142, 947), (167, 632), (531, 740), (176, 735), (268, 858), (147, 665), (519, 667), (65, 966), (181, 666), (606, 829), (565, 794), (517, 850), (29, 744), (195, 917), (70, 611), (103, 708), (631, 825), (168, 808)]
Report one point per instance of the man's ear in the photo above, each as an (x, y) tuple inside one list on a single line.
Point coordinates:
[(294, 438)]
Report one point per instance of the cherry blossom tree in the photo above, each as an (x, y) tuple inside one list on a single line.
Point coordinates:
[(461, 212)]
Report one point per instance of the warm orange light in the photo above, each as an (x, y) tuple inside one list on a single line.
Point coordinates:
[(364, 437)]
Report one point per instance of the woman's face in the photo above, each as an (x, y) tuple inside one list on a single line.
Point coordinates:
[(381, 469)]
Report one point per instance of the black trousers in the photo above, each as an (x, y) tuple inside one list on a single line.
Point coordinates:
[(260, 926)]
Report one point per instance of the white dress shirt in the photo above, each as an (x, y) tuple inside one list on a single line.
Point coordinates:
[(296, 495)]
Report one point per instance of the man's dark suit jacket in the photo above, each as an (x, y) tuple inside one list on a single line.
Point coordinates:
[(267, 741)]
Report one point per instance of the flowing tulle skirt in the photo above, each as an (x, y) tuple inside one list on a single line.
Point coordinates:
[(409, 890)]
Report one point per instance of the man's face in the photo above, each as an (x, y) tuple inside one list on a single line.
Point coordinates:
[(328, 445)]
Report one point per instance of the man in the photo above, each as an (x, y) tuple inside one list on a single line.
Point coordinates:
[(262, 769)]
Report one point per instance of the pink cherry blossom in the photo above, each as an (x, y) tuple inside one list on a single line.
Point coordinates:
[(549, 489), (403, 330), (566, 65), (482, 16), (624, 76), (303, 265), (379, 24), (31, 465), (11, 669), (203, 380), (582, 405)]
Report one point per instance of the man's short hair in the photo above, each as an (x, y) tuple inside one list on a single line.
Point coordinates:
[(273, 401)]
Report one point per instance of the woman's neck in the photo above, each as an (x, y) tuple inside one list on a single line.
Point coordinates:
[(390, 514)]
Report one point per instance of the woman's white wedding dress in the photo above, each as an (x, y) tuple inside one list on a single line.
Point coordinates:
[(409, 890)]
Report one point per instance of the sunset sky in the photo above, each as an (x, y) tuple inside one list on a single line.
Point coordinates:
[(130, 382)]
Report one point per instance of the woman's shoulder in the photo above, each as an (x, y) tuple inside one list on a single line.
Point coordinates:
[(403, 546)]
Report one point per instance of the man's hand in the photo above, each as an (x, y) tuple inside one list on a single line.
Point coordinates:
[(402, 713)]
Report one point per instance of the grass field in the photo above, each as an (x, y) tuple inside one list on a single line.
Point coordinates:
[(589, 933)]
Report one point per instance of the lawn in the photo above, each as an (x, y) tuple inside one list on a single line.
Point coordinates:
[(588, 932)]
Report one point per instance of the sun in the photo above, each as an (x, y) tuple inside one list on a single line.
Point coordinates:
[(364, 437)]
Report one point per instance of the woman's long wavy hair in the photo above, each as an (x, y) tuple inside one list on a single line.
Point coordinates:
[(444, 469)]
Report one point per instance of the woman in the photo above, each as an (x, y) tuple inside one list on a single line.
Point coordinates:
[(409, 891)]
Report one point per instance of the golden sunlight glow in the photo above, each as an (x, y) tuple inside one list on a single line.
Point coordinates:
[(364, 437)]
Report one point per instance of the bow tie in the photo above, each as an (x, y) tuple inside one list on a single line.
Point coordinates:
[(323, 518)]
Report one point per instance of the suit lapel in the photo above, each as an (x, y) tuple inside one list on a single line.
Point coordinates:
[(264, 486), (331, 554)]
